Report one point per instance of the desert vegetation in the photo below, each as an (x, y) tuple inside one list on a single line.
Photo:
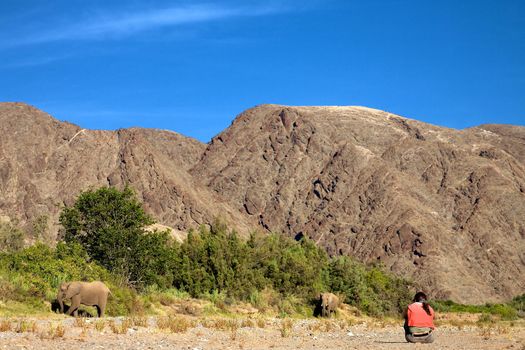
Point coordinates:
[(104, 238)]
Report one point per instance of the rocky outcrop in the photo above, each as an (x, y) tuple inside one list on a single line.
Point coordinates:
[(46, 163), (444, 207)]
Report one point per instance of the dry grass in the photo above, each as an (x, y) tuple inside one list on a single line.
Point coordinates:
[(222, 324), (247, 323), (233, 334), (53, 332), (139, 321), (187, 307), (6, 326), (326, 326), (24, 326), (121, 328), (83, 325), (114, 327), (261, 322), (80, 322), (348, 322), (485, 332), (59, 331), (386, 322), (461, 324), (459, 320), (286, 327), (314, 326), (217, 323), (233, 326), (166, 300), (502, 329), (83, 333), (100, 325), (486, 318), (174, 324)]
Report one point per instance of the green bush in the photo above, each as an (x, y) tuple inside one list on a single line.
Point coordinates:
[(110, 225), (216, 260), (289, 267), (505, 311), (43, 268), (105, 239), (518, 303), (508, 311), (368, 288), (32, 276)]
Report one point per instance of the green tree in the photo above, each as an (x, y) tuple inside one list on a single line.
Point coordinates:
[(369, 288), (110, 225), (290, 267), (215, 260)]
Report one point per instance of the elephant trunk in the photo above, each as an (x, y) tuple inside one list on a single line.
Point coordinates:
[(61, 303)]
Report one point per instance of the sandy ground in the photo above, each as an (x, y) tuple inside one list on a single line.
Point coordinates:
[(303, 334)]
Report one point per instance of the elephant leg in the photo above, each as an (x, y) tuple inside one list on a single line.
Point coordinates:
[(101, 307), (75, 303)]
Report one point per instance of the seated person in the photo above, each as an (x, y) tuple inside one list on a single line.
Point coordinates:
[(419, 320)]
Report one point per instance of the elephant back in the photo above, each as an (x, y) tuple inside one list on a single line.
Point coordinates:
[(100, 286)]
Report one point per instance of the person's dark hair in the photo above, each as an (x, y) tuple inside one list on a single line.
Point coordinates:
[(421, 297)]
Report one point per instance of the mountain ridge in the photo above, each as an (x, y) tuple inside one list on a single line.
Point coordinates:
[(442, 206)]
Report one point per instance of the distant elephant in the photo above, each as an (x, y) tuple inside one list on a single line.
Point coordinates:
[(86, 293), (327, 303)]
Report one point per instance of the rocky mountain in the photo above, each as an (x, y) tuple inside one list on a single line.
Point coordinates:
[(444, 207), (44, 164)]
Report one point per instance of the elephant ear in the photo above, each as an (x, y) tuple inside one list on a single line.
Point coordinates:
[(64, 286), (72, 289)]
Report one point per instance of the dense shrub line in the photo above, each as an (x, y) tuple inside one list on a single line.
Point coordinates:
[(110, 224), (104, 238), (506, 311)]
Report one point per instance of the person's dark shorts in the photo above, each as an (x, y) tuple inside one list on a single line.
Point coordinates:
[(419, 337)]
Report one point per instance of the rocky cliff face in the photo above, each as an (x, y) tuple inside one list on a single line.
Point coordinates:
[(44, 164), (442, 206)]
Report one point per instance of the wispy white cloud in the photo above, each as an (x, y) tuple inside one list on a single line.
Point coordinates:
[(122, 25), (35, 61)]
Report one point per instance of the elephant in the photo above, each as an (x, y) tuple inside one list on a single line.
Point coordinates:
[(327, 304), (86, 293)]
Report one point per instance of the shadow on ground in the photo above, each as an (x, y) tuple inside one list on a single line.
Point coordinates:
[(55, 307)]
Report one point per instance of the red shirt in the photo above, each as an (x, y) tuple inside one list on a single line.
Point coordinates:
[(418, 317)]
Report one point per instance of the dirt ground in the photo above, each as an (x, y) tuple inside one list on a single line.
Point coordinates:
[(248, 334)]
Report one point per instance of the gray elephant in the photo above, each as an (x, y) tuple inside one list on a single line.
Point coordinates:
[(86, 293), (327, 303)]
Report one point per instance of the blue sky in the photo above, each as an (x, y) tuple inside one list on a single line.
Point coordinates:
[(192, 66)]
